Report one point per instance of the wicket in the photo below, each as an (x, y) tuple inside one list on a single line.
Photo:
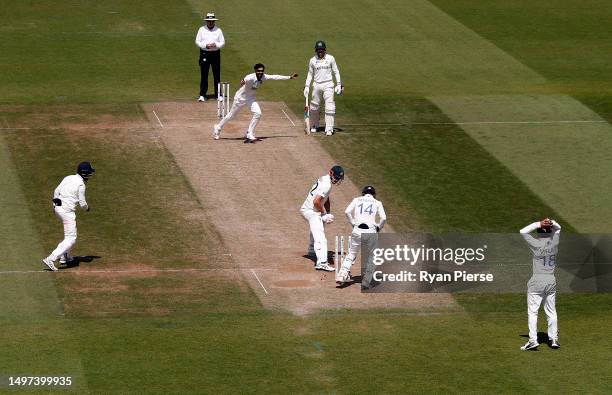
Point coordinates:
[(223, 101), (340, 252)]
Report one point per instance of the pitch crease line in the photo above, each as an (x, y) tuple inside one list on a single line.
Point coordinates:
[(477, 123), (506, 122), (259, 281), (160, 123), (96, 271), (288, 117), (84, 272)]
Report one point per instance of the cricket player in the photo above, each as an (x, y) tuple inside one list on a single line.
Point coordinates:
[(361, 213), (321, 67), (316, 210), (542, 286), (65, 198), (245, 96)]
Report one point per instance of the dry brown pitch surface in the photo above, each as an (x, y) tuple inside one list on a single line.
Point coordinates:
[(252, 194)]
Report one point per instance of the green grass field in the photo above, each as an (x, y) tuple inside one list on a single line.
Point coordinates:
[(413, 92)]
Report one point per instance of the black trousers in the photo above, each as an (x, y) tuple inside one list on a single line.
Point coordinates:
[(208, 59)]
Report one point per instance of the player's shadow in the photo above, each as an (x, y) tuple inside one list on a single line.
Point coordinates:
[(233, 138), (542, 339), (354, 280), (262, 138), (258, 140), (77, 260), (313, 257)]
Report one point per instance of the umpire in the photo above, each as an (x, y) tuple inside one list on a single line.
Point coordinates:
[(210, 40)]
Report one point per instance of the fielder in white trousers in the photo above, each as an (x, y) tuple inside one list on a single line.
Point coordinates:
[(542, 286), (245, 96), (69, 193)]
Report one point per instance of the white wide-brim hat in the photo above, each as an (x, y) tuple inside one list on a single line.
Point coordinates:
[(210, 17)]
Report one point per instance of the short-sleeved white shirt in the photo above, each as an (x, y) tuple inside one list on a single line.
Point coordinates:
[(322, 187), (364, 210)]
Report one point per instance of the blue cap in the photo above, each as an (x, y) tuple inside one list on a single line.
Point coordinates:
[(85, 168)]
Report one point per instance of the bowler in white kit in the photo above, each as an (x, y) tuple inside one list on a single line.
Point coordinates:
[(542, 287), (362, 214), (321, 69), (245, 96), (69, 193), (316, 209)]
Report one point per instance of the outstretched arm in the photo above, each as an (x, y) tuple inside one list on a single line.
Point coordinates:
[(276, 77)]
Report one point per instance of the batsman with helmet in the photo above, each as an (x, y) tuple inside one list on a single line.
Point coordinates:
[(316, 210), (320, 68)]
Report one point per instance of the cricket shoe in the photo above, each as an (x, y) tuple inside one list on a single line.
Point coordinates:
[(344, 276), (313, 129), (249, 138), (329, 132), (216, 132), (324, 266), (555, 344), (49, 264), (65, 258), (201, 99), (530, 346)]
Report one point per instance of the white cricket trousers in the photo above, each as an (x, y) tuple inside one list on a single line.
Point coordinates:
[(240, 102), (325, 90), (542, 288), (318, 241), (354, 246), (68, 219)]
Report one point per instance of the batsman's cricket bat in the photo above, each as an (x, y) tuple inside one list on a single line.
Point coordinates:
[(306, 117)]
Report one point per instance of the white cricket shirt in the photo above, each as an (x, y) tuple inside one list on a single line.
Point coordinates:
[(363, 210), (322, 187), (71, 191), (206, 36), (322, 70), (544, 249), (251, 84)]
